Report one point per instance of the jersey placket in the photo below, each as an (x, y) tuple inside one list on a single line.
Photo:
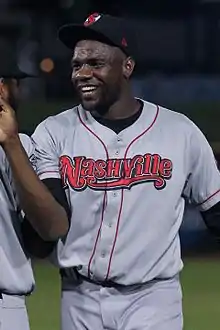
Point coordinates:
[(109, 226)]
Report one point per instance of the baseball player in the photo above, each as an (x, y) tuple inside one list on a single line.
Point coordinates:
[(115, 172), (16, 276)]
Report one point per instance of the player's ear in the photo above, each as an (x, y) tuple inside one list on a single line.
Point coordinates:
[(128, 67), (3, 89)]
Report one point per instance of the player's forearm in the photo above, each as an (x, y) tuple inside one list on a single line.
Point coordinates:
[(33, 243), (46, 215)]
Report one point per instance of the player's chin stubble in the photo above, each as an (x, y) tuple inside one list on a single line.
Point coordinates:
[(97, 108), (103, 103), (98, 105)]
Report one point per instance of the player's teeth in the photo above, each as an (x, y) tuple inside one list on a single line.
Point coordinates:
[(88, 89)]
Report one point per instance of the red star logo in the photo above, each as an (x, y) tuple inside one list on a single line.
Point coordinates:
[(92, 19)]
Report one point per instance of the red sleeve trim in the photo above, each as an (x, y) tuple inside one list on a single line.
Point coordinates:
[(210, 197)]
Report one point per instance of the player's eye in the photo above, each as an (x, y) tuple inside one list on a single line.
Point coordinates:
[(76, 66), (96, 64)]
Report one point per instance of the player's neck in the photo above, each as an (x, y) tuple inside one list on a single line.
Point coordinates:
[(123, 108)]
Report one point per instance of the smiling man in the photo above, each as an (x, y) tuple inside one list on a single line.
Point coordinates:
[(115, 172), (98, 92)]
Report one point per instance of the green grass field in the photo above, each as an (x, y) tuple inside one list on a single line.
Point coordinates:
[(201, 290)]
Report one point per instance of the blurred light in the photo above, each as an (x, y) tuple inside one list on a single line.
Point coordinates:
[(47, 65)]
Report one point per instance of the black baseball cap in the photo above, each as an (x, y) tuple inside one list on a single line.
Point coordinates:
[(15, 73), (108, 29), (9, 67)]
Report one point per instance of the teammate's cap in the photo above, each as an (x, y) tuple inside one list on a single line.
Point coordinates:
[(9, 67), (16, 74), (104, 28)]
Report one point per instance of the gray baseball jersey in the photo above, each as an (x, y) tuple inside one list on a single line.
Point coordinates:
[(126, 191), (16, 276)]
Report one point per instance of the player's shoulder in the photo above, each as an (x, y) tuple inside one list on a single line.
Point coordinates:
[(65, 118), (57, 124), (167, 114), (171, 118), (27, 143), (25, 140)]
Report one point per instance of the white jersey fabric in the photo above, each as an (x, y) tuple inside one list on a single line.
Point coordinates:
[(126, 191), (16, 276)]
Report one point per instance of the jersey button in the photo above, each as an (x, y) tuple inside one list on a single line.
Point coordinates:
[(117, 152), (115, 194), (110, 225), (103, 254), (118, 139)]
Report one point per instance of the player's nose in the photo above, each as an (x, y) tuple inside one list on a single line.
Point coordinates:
[(85, 72)]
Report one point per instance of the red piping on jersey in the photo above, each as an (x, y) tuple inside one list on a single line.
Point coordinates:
[(98, 234), (209, 197), (116, 235), (122, 193), (105, 193)]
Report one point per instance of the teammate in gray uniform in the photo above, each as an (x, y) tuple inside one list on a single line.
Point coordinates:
[(119, 169), (16, 276)]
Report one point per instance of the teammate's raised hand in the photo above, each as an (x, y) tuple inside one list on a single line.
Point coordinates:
[(8, 122)]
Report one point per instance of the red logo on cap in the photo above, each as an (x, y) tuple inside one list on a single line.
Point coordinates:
[(92, 19), (124, 42)]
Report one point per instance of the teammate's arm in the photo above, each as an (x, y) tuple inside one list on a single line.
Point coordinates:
[(46, 215), (34, 244)]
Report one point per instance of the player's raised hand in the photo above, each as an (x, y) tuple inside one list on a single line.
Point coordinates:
[(8, 122)]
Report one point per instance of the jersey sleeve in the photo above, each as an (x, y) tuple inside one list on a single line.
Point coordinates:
[(203, 185), (46, 151), (29, 148)]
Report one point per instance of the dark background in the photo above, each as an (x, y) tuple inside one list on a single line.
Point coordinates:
[(178, 67)]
